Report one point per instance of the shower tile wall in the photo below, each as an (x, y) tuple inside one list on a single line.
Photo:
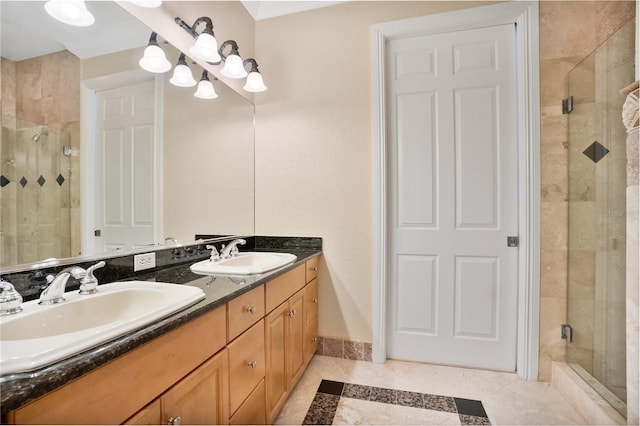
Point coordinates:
[(36, 93), (563, 44)]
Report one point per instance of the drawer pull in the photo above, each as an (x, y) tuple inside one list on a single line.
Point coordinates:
[(252, 310), (252, 364), (175, 420)]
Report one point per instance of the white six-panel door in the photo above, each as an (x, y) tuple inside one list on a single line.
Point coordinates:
[(453, 198), (125, 167)]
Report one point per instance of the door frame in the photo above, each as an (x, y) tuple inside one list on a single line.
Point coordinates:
[(525, 17), (88, 89)]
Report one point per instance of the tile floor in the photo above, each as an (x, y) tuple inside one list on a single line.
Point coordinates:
[(342, 391)]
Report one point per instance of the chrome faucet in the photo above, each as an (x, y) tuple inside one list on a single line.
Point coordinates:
[(231, 249), (89, 283), (10, 299), (53, 293)]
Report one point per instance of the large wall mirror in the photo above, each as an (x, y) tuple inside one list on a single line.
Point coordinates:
[(63, 190)]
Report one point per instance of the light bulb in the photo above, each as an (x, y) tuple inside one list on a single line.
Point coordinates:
[(254, 83), (154, 60), (182, 77), (71, 12), (206, 48), (205, 90), (233, 67)]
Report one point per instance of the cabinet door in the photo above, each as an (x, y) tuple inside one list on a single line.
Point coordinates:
[(149, 415), (310, 339), (251, 412), (202, 397), (295, 343), (276, 324)]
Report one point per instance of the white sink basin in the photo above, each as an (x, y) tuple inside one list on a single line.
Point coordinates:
[(245, 263), (41, 335)]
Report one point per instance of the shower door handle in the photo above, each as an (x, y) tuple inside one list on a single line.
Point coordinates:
[(513, 241)]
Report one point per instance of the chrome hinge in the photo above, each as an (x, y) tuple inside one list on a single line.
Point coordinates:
[(567, 332), (567, 105)]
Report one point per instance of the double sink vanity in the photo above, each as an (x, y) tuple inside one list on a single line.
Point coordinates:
[(206, 339)]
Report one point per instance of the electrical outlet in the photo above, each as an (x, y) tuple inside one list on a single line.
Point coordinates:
[(144, 261)]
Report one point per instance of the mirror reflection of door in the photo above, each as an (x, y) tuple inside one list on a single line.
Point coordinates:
[(126, 152)]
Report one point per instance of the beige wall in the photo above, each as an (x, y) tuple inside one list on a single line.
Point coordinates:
[(318, 111), (313, 145)]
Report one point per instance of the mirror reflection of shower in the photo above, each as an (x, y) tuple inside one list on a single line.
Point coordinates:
[(43, 132), (35, 176)]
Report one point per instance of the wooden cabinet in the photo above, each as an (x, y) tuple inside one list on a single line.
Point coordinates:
[(310, 344), (287, 329), (200, 398), (236, 364)]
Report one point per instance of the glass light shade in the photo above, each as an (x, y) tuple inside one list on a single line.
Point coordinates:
[(71, 12), (206, 48), (233, 67), (182, 77), (205, 90), (147, 3), (154, 60), (254, 83)]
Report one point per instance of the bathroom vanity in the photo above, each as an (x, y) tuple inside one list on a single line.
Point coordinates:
[(233, 357)]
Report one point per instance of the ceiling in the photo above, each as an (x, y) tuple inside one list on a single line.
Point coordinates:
[(28, 31), (264, 9)]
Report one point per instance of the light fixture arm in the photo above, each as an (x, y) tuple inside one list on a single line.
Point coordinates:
[(254, 64), (233, 51), (153, 39), (192, 29)]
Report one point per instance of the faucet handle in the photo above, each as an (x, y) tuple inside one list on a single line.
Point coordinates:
[(89, 283), (214, 252), (10, 299)]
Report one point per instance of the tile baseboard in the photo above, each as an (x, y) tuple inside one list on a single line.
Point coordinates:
[(346, 349)]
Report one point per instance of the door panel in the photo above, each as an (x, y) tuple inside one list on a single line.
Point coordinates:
[(125, 167), (453, 182)]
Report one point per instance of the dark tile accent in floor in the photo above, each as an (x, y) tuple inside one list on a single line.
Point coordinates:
[(330, 387), (322, 410), (324, 405), (470, 407)]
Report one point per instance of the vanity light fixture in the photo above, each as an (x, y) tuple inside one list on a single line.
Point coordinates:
[(182, 76), (206, 46), (205, 88), (154, 59), (233, 67), (254, 82), (71, 12)]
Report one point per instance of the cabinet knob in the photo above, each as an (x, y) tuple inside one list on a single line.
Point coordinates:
[(314, 339), (291, 313), (315, 269), (252, 364), (175, 420), (315, 300), (252, 310)]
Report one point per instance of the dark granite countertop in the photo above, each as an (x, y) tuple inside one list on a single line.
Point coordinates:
[(20, 388)]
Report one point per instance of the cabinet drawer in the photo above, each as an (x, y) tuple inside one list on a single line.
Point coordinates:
[(283, 287), (244, 311), (312, 268), (149, 415), (252, 411), (246, 364), (311, 301)]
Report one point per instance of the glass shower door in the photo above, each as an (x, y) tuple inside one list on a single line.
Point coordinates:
[(597, 222)]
